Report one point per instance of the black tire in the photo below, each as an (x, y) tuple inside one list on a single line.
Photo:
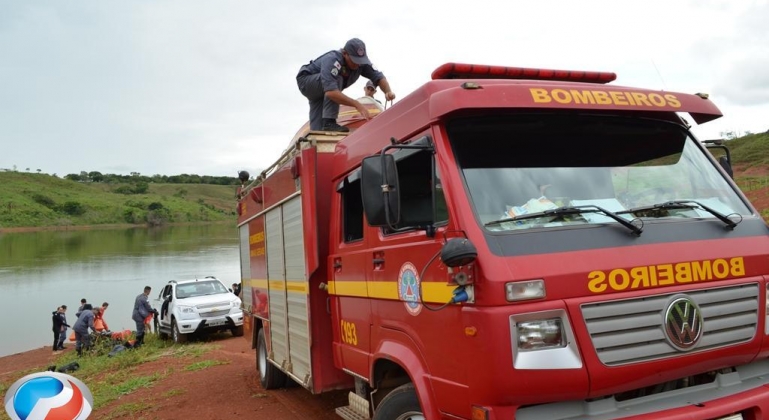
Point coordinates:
[(178, 337), (269, 375), (237, 331), (400, 404)]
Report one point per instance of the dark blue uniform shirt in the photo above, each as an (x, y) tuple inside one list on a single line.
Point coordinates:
[(334, 74)]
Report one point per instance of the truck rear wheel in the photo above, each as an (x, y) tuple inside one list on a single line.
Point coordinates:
[(269, 375), (400, 404)]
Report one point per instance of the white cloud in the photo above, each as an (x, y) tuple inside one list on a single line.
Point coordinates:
[(208, 87)]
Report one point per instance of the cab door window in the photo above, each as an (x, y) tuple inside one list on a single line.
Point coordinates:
[(352, 208)]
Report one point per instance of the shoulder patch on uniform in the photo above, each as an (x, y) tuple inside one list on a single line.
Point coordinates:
[(337, 65), (335, 72)]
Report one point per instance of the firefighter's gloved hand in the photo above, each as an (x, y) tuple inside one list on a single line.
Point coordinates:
[(155, 311)]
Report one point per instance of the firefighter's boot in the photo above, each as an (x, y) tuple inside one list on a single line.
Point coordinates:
[(329, 124)]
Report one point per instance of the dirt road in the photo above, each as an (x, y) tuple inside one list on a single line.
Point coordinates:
[(229, 390)]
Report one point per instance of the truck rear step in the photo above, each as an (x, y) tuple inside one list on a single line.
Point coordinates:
[(357, 410)]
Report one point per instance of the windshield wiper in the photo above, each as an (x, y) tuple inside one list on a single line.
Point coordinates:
[(686, 204), (569, 210)]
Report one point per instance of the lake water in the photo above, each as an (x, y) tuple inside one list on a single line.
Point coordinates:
[(40, 271)]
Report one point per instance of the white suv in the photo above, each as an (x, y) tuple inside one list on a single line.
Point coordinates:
[(198, 305)]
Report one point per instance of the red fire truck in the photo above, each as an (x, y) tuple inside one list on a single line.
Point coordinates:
[(511, 243)]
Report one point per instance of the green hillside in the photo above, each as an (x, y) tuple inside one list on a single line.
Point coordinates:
[(36, 200), (33, 200), (750, 154)]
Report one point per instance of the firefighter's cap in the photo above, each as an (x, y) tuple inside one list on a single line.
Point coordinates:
[(356, 49)]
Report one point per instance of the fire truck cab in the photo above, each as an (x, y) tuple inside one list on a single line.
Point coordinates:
[(511, 243)]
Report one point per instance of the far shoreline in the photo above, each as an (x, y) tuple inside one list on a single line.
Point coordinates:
[(27, 229)]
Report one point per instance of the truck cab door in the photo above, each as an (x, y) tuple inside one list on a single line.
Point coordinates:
[(163, 303), (349, 262)]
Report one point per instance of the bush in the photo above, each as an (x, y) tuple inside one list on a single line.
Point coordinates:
[(155, 206), (72, 208), (135, 204), (44, 200), (141, 187), (123, 189), (158, 217)]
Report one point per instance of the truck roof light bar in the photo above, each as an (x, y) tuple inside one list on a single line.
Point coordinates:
[(479, 71)]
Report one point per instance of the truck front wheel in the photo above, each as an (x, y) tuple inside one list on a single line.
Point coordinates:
[(400, 404), (269, 375), (176, 334)]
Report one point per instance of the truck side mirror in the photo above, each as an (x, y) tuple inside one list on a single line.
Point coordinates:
[(379, 189), (458, 252), (724, 161)]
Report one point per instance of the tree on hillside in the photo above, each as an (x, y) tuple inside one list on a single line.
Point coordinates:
[(72, 177), (39, 170), (96, 176)]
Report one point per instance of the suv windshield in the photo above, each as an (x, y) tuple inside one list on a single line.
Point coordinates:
[(199, 288), (519, 168)]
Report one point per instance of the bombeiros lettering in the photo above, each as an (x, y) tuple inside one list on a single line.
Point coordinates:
[(604, 97), (661, 275)]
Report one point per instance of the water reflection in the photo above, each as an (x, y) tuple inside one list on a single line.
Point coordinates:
[(42, 270)]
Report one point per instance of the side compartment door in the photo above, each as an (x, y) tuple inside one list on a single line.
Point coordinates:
[(276, 277), (297, 292)]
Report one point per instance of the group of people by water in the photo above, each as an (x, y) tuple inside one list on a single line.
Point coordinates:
[(90, 323), (88, 317)]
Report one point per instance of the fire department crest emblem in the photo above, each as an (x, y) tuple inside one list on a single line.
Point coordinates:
[(408, 288)]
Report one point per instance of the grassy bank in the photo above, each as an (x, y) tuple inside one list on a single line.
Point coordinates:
[(111, 378), (36, 200)]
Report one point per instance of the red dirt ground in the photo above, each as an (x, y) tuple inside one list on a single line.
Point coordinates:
[(226, 391)]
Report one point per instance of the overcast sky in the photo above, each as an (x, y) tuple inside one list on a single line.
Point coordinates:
[(208, 87)]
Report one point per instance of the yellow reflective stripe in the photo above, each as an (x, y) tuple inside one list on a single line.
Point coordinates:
[(383, 289), (297, 286), (257, 283), (348, 288), (434, 292)]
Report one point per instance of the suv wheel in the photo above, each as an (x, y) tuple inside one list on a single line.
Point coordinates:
[(237, 331), (177, 336)]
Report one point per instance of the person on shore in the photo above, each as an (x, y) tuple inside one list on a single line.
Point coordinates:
[(64, 326), (322, 81), (80, 309), (59, 328), (81, 327), (142, 310), (99, 322)]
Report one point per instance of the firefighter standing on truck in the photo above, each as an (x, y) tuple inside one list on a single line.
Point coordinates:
[(323, 80)]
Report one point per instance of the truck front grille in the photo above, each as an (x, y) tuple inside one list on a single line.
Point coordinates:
[(632, 330), (214, 314)]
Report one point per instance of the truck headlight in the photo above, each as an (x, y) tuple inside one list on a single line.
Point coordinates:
[(234, 306), (541, 334), (187, 312)]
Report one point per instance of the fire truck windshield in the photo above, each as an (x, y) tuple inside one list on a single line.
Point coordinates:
[(517, 165)]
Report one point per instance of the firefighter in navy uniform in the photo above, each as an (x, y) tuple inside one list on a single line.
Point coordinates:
[(323, 80)]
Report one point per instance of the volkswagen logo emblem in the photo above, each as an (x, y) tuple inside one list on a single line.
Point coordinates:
[(683, 323)]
